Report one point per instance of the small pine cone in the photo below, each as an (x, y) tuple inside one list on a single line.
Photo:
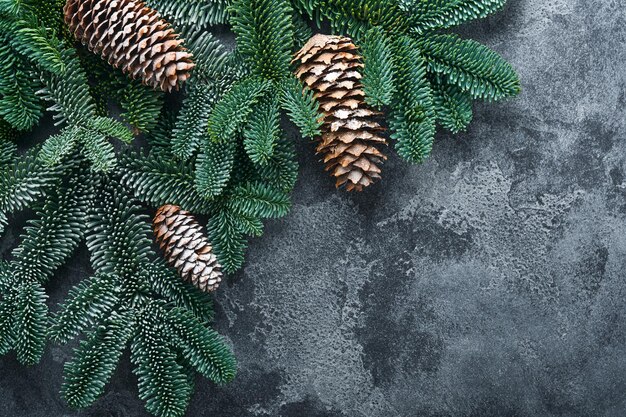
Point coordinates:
[(329, 65), (133, 37), (186, 248)]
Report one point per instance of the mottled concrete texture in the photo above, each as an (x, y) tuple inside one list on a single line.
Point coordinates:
[(488, 281)]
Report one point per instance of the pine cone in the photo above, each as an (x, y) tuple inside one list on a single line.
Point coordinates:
[(133, 37), (330, 65), (186, 248)]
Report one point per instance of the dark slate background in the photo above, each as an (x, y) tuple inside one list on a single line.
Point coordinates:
[(488, 281)]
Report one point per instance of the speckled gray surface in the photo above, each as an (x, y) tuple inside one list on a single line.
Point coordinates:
[(488, 281)]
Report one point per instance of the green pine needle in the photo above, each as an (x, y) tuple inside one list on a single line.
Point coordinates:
[(87, 303), (355, 17), (227, 239), (57, 147), (117, 234), (52, 237), (453, 107), (69, 93), (23, 182), (214, 167), (166, 283), (19, 105), (163, 383), (163, 180), (378, 69), (232, 112), (440, 14), (259, 200), (196, 12), (109, 127), (142, 106), (205, 350), (262, 131), (412, 115), (96, 358), (7, 320), (301, 107), (471, 66), (98, 151), (34, 42), (281, 170), (193, 119), (30, 325), (265, 35)]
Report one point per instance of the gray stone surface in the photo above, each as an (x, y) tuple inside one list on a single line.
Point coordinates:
[(488, 281)]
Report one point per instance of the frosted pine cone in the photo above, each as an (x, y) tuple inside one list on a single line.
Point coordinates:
[(329, 65), (186, 248), (133, 37)]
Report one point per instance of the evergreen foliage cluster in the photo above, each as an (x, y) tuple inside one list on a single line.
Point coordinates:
[(222, 154)]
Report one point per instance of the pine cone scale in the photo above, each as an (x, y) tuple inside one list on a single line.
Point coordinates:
[(186, 248)]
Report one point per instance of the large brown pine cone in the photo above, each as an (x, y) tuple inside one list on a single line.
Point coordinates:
[(133, 37), (186, 248), (330, 65)]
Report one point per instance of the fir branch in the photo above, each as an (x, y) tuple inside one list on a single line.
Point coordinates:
[(259, 200), (412, 116), (34, 42), (205, 350), (191, 127), (161, 180), (95, 146), (96, 358), (301, 31), (281, 170), (23, 182), (109, 127), (214, 168), (49, 14), (213, 62), (8, 149), (471, 66), (311, 8), (142, 106), (166, 283), (301, 107), (57, 147), (117, 234), (13, 7), (51, 238), (441, 14), (248, 225), (355, 17), (227, 240), (30, 322), (159, 139), (98, 151), (19, 104), (262, 131), (230, 113), (163, 383), (452, 106), (265, 35), (87, 303), (69, 93), (378, 70), (193, 12)]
